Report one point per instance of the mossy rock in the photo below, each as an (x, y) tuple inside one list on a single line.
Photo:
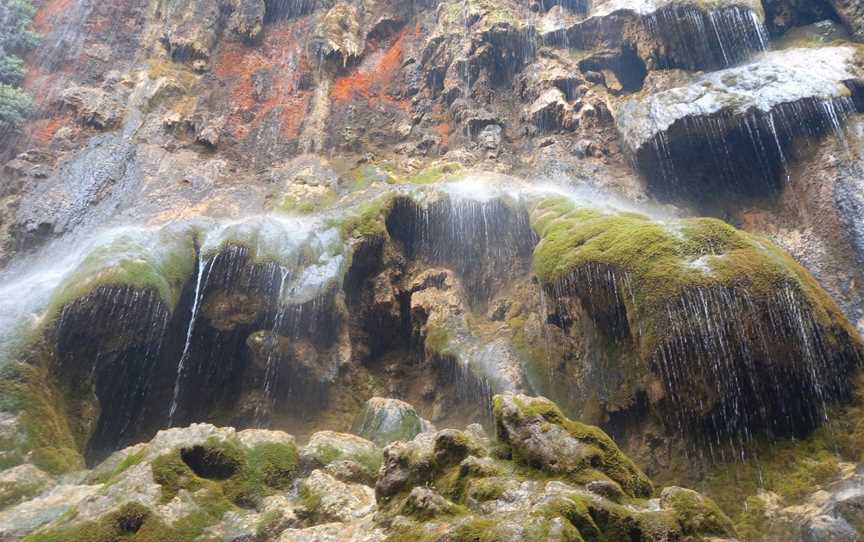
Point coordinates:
[(696, 299), (47, 439), (368, 220), (695, 513), (327, 447), (384, 420), (134, 522), (243, 475), (540, 436)]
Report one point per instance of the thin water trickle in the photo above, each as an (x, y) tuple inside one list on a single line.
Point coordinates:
[(204, 265)]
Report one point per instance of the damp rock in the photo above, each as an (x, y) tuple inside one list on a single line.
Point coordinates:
[(539, 435), (348, 458), (326, 499), (852, 15), (384, 420), (551, 112), (731, 130), (583, 253), (338, 36)]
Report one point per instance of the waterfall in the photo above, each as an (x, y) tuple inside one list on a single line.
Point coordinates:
[(204, 265)]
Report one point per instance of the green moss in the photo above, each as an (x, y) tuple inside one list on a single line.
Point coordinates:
[(256, 472), (135, 523), (434, 174), (369, 219), (309, 499), (699, 515), (161, 261), (485, 489), (128, 462), (752, 523), (27, 391), (15, 493), (170, 472), (370, 461), (295, 205), (477, 529), (266, 468), (607, 461), (437, 340), (658, 261)]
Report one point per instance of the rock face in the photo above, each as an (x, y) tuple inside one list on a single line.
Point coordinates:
[(729, 120), (211, 482), (326, 216), (583, 253)]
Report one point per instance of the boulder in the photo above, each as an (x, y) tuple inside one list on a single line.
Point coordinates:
[(541, 437), (324, 498), (348, 458), (385, 420)]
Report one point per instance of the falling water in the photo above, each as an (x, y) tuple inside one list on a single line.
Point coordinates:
[(204, 266)]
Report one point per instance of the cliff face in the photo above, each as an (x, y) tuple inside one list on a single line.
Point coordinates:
[(263, 213)]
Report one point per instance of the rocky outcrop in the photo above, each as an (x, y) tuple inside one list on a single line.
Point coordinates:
[(540, 436), (212, 482), (705, 137), (701, 334)]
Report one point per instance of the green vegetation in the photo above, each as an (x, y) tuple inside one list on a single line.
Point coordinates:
[(661, 260), (607, 461), (250, 474), (161, 261), (370, 460), (16, 38), (369, 220), (26, 390), (128, 462), (437, 340), (295, 205), (136, 523)]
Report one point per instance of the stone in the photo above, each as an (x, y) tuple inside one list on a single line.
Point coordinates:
[(541, 436), (325, 498), (21, 483), (384, 420), (550, 111), (423, 503), (357, 531), (348, 458)]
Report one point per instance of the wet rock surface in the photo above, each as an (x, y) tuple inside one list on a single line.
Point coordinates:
[(272, 213)]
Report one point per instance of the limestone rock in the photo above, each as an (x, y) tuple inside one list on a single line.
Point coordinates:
[(852, 14), (348, 458), (339, 36), (551, 111), (21, 483), (386, 420), (541, 436), (325, 498)]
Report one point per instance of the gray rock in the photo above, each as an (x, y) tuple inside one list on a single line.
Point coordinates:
[(384, 420)]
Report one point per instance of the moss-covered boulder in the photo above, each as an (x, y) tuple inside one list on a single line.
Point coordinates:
[(540, 436), (347, 457), (181, 483), (385, 420), (692, 310)]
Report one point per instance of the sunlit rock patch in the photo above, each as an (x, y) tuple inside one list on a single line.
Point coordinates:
[(700, 306), (733, 130)]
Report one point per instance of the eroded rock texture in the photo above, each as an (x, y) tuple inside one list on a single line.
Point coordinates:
[(342, 217)]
